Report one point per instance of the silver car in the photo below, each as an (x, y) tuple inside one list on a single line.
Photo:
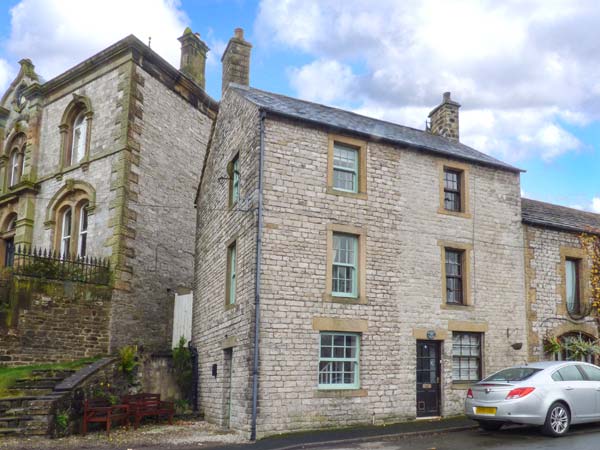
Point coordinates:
[(553, 395)]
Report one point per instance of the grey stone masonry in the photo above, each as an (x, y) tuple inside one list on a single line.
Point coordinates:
[(444, 118), (403, 236)]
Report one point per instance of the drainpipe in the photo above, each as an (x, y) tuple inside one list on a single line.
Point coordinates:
[(261, 160)]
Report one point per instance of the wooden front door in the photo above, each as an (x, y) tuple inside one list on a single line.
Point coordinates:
[(428, 378)]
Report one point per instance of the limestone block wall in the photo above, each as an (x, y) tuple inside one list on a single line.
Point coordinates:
[(216, 329), (544, 268), (53, 321), (168, 138), (404, 239)]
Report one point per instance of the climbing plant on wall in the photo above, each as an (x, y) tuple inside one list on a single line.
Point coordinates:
[(591, 244)]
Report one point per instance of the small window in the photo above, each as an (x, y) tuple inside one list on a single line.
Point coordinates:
[(65, 240), (231, 275), (79, 138), (570, 373), (454, 276), (345, 168), (344, 271), (339, 361), (83, 229), (572, 286), (234, 181), (452, 190), (466, 357), (15, 166)]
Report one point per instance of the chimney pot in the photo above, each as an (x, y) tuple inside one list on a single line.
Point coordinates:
[(193, 56), (236, 61), (444, 118)]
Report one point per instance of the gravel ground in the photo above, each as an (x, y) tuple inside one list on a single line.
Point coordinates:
[(181, 433)]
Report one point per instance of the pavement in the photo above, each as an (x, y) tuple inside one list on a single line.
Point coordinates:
[(201, 435)]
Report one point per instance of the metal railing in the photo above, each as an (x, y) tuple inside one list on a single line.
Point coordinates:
[(48, 264)]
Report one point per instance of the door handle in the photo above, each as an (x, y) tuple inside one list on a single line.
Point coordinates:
[(568, 388)]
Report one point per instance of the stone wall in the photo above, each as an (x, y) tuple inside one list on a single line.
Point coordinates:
[(547, 315), (216, 329), (404, 235), (53, 321), (168, 141)]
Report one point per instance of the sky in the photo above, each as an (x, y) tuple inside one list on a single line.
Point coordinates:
[(526, 72)]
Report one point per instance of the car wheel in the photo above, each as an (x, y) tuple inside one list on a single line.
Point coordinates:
[(557, 421), (490, 425)]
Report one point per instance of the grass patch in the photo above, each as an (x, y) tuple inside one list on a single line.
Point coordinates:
[(8, 375)]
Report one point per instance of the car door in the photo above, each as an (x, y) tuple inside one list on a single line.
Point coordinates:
[(593, 379), (580, 394)]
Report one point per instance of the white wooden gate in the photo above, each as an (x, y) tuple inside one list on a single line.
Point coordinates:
[(182, 318)]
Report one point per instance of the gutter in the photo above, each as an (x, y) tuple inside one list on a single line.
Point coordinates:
[(261, 161)]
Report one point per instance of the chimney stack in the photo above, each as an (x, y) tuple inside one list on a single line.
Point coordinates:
[(236, 61), (444, 118), (193, 56)]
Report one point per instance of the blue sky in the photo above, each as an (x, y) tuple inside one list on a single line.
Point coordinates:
[(525, 72)]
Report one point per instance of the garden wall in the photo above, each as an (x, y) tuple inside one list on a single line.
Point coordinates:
[(52, 321)]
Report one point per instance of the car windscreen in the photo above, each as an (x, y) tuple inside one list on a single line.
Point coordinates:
[(513, 374)]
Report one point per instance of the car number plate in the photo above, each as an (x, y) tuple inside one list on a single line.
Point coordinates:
[(485, 410)]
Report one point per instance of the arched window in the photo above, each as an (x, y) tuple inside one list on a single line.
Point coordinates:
[(65, 234), (571, 350), (16, 159), (75, 130), (83, 230), (79, 137)]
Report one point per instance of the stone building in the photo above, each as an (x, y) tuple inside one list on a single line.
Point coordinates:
[(349, 270), (102, 161), (557, 273)]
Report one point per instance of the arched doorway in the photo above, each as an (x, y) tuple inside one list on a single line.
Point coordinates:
[(7, 233)]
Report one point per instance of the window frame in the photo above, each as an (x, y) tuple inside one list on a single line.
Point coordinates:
[(74, 154), (231, 275), (359, 294), (79, 107), (82, 233), (463, 188), (466, 250), (361, 166), (234, 180), (354, 171), (481, 337), (576, 263), (353, 266), (459, 277), (65, 249), (583, 283), (355, 361)]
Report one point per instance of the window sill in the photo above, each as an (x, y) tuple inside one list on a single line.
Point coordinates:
[(229, 307), (360, 195), (456, 307), (463, 214), (341, 393), (327, 297)]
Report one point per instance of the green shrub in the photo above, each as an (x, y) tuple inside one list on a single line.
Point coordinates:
[(62, 422), (182, 363), (128, 359)]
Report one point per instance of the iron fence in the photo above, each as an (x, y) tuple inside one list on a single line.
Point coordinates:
[(48, 264)]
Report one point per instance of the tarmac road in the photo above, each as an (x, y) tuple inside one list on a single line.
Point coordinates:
[(584, 437)]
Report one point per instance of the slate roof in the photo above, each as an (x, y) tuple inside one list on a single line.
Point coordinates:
[(548, 215), (366, 126)]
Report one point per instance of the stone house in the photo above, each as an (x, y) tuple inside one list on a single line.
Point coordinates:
[(557, 274), (349, 270), (96, 163)]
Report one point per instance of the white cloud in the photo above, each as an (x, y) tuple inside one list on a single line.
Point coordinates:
[(595, 206), (57, 34), (521, 70), (323, 81)]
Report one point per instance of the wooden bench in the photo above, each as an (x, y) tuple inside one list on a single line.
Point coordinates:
[(145, 404), (101, 411)]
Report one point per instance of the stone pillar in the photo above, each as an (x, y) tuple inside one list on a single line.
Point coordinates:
[(444, 118), (193, 57), (236, 61)]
